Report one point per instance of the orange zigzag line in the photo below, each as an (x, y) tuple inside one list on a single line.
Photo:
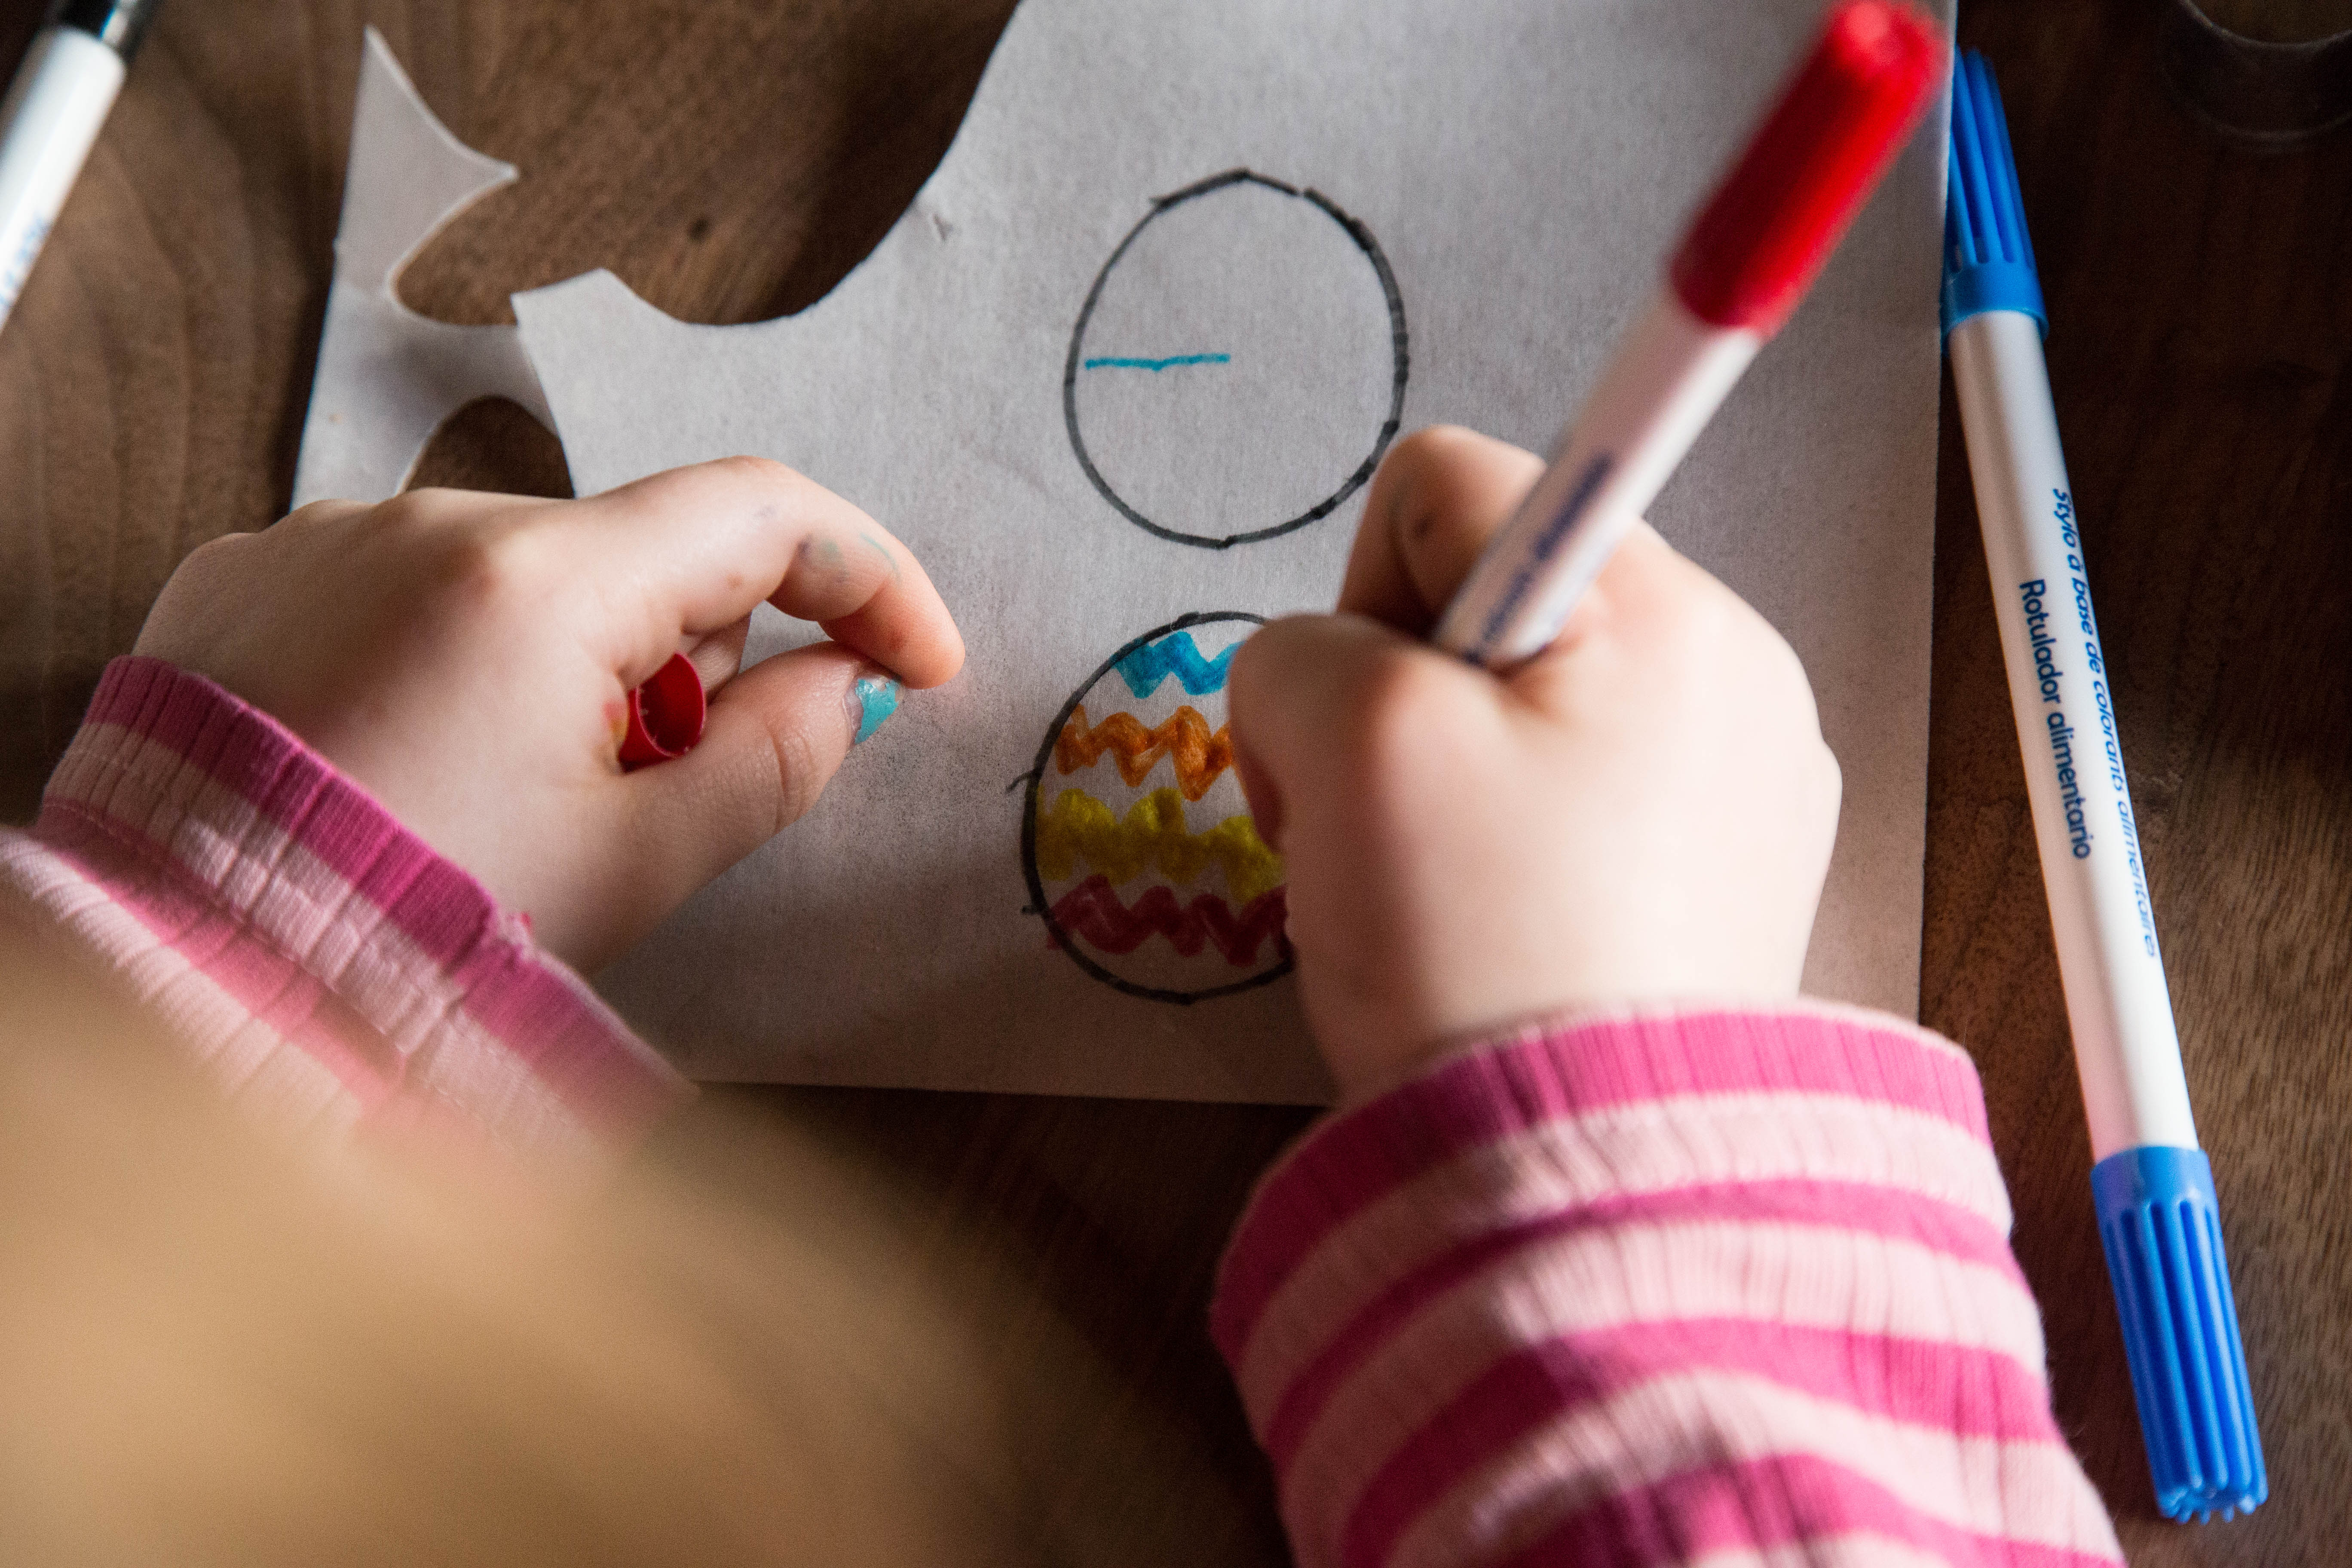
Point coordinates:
[(1183, 736)]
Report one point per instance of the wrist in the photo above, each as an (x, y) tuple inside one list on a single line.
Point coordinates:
[(1376, 1060)]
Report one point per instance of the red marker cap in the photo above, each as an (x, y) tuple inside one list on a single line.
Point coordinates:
[(666, 715), (1774, 220)]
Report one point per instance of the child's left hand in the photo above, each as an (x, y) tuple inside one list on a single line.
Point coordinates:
[(468, 657)]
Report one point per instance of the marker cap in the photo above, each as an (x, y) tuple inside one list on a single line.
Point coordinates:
[(1755, 247), (1988, 255), (116, 24), (2161, 1226), (666, 715)]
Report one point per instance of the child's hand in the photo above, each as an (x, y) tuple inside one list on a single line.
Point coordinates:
[(468, 657), (1642, 813)]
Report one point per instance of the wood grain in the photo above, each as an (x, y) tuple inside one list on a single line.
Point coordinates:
[(732, 160)]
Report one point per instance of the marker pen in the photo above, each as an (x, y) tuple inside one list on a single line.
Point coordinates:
[(1749, 256), (2159, 1220), (50, 121)]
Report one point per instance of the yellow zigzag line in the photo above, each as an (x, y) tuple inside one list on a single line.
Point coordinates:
[(1152, 835)]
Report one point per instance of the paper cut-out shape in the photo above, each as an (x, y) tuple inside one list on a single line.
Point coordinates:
[(1302, 389), (387, 377), (1525, 164), (1149, 873)]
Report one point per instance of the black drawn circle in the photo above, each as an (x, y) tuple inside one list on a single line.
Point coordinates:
[(1033, 798), (1399, 347)]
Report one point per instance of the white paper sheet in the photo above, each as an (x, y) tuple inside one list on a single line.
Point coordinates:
[(1097, 395)]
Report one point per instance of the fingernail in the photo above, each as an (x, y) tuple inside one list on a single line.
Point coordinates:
[(872, 699)]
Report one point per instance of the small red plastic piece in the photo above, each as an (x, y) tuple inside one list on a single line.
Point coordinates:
[(666, 715), (1769, 228)]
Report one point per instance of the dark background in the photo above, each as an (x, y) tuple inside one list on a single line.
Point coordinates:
[(730, 161)]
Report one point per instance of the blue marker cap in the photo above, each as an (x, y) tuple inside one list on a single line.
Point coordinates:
[(1988, 256), (2161, 1227)]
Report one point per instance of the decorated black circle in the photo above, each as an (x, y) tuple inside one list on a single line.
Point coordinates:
[(1133, 789)]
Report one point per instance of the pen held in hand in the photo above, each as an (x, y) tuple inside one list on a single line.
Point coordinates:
[(1747, 260)]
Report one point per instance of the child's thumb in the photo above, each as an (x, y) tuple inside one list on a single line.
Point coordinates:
[(776, 735)]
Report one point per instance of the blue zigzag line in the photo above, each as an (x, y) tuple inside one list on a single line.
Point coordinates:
[(1177, 655)]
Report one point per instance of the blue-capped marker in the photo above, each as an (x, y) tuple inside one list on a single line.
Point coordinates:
[(2158, 1219)]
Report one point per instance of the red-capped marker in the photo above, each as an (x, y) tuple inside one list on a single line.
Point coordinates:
[(1750, 254), (666, 715)]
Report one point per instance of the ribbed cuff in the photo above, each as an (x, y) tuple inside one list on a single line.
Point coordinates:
[(1524, 1080), (265, 903)]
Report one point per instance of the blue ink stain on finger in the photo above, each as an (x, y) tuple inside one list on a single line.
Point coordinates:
[(876, 698), (1117, 363), (883, 550)]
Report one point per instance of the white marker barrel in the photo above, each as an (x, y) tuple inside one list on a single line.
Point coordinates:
[(2160, 1215), (1666, 383), (2125, 1049), (52, 113)]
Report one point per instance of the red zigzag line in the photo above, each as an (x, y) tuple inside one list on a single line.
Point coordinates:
[(1093, 911)]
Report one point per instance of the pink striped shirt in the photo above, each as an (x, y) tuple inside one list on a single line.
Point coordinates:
[(1675, 1288), (1685, 1287), (317, 956)]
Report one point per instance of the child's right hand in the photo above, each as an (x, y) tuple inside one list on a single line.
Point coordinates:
[(1643, 813)]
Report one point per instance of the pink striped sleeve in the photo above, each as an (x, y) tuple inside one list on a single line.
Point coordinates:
[(1664, 1287), (317, 956)]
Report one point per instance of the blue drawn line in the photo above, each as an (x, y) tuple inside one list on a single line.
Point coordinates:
[(1175, 655), (1158, 364)]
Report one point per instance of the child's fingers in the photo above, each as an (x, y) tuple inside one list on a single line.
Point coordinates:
[(696, 548), (320, 514), (1319, 702), (775, 736), (1281, 693), (1439, 496), (894, 617), (719, 656), (1645, 588)]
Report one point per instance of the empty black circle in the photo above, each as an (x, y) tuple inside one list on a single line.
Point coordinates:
[(1363, 240)]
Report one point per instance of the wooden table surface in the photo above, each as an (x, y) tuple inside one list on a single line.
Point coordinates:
[(732, 160)]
